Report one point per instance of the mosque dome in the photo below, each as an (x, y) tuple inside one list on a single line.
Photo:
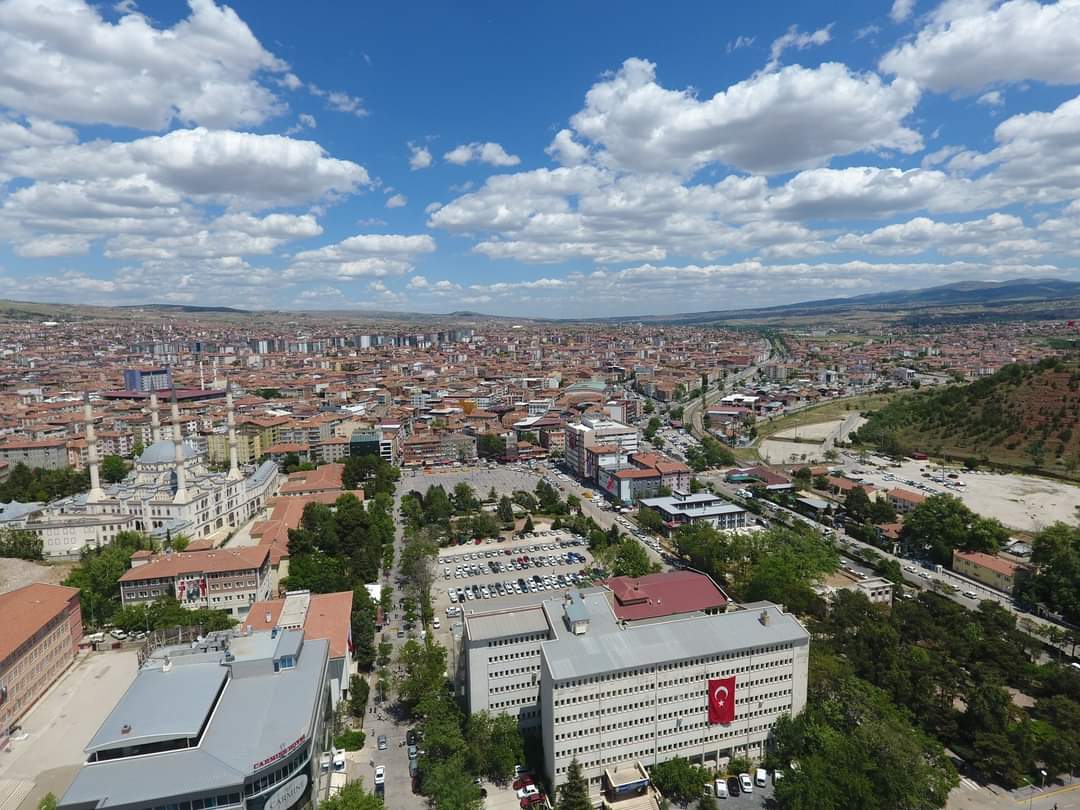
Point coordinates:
[(163, 452)]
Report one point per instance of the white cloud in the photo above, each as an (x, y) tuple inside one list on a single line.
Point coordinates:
[(417, 283), (799, 40), (64, 62), (419, 157), (35, 132), (901, 10), (54, 245), (566, 150), (365, 255), (397, 201), (645, 127), (740, 42), (966, 46), (238, 168), (993, 98), (491, 153)]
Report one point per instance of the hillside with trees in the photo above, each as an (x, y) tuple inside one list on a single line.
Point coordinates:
[(1022, 416)]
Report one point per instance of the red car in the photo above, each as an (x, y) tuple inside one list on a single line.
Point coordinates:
[(531, 801), (522, 781)]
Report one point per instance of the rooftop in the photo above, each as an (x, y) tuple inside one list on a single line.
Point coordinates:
[(664, 594), (25, 611), (197, 562)]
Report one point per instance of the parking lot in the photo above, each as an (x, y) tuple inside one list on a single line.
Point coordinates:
[(511, 573)]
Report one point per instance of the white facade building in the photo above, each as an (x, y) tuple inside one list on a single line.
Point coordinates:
[(170, 491), (595, 431)]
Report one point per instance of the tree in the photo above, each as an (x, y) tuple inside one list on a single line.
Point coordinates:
[(464, 499), (41, 485), (631, 560), (97, 576), (574, 793), (651, 428), (506, 510), (802, 477), (1055, 580), (21, 544), (821, 482), (648, 407), (942, 523), (449, 784), (679, 780), (857, 504), (490, 445), (882, 511), (358, 695), (528, 527), (573, 502), (113, 469), (317, 572), (352, 796), (494, 745), (47, 802), (650, 519)]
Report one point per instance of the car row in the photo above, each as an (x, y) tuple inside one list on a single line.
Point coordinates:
[(547, 545), (516, 564), (533, 584)]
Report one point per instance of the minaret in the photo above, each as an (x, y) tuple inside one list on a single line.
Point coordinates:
[(178, 457), (96, 493), (155, 420), (234, 468)]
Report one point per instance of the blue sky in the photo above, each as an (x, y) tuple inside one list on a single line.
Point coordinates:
[(551, 159)]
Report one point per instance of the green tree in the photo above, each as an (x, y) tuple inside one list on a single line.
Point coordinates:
[(21, 544), (113, 469), (47, 802), (358, 695), (449, 784), (352, 797), (942, 523), (882, 511), (857, 504), (631, 560), (650, 520), (506, 510), (648, 407), (651, 428), (1055, 580), (490, 445), (679, 780), (97, 576), (574, 792), (317, 572), (528, 527), (464, 499)]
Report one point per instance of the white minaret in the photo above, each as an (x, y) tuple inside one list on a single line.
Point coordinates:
[(155, 419), (178, 457), (234, 468), (96, 493)]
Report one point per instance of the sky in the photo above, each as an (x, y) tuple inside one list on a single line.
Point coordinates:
[(549, 159)]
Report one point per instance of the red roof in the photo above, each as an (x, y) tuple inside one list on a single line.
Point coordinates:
[(329, 616), (27, 610), (664, 594), (219, 560)]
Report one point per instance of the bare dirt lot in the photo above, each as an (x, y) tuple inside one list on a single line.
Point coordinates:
[(15, 574), (1024, 502)]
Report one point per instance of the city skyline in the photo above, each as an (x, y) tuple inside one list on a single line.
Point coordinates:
[(533, 163)]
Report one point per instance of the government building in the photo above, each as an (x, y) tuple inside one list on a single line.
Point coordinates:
[(619, 676), (170, 491)]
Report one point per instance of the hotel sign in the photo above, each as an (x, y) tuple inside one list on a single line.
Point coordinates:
[(284, 752), (288, 794)]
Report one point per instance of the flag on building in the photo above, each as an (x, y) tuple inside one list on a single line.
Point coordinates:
[(721, 700)]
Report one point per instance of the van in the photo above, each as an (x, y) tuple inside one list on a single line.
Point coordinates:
[(721, 789), (761, 778)]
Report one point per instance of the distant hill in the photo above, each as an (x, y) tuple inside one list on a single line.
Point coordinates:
[(982, 294), (1024, 416), (185, 308)]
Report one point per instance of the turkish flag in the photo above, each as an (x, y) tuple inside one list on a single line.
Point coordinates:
[(721, 700)]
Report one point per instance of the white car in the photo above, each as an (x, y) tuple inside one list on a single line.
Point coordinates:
[(746, 783), (380, 775)]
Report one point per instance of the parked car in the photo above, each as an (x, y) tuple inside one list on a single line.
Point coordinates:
[(380, 775), (733, 786), (382, 742), (746, 785)]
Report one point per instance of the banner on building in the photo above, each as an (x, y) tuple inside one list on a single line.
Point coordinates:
[(721, 700)]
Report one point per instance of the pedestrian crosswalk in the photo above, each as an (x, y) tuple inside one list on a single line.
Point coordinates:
[(969, 784)]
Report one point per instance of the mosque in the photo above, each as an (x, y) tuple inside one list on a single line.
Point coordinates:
[(170, 491)]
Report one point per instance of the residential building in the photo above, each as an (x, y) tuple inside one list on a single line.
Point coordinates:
[(904, 500), (989, 569), (40, 630), (232, 721), (592, 431), (148, 379), (222, 579), (47, 454)]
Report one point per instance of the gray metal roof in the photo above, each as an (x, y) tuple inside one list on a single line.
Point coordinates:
[(258, 713), (191, 690), (163, 451), (607, 647), (505, 623)]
